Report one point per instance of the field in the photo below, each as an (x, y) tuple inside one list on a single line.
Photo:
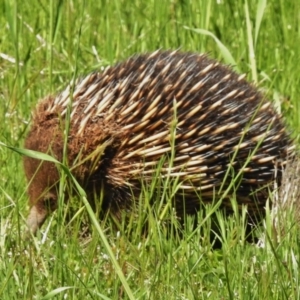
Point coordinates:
[(43, 45)]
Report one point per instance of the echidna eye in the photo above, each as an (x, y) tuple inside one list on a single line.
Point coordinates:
[(50, 202)]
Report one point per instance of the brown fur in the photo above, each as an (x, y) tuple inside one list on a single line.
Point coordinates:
[(46, 136), (106, 150)]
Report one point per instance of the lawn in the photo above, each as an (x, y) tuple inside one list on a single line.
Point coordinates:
[(43, 45)]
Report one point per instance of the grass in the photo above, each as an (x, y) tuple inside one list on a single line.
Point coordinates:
[(44, 44)]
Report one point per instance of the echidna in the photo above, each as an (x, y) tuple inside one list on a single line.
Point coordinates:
[(210, 121)]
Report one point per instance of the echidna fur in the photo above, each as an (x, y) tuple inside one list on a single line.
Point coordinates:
[(124, 119)]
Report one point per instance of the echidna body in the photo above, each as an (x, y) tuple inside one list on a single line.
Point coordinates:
[(214, 124)]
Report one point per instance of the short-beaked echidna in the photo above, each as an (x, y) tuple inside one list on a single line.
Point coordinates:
[(210, 121)]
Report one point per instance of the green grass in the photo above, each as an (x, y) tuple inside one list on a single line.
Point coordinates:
[(43, 45)]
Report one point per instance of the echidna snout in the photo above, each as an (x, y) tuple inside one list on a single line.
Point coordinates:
[(125, 119)]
